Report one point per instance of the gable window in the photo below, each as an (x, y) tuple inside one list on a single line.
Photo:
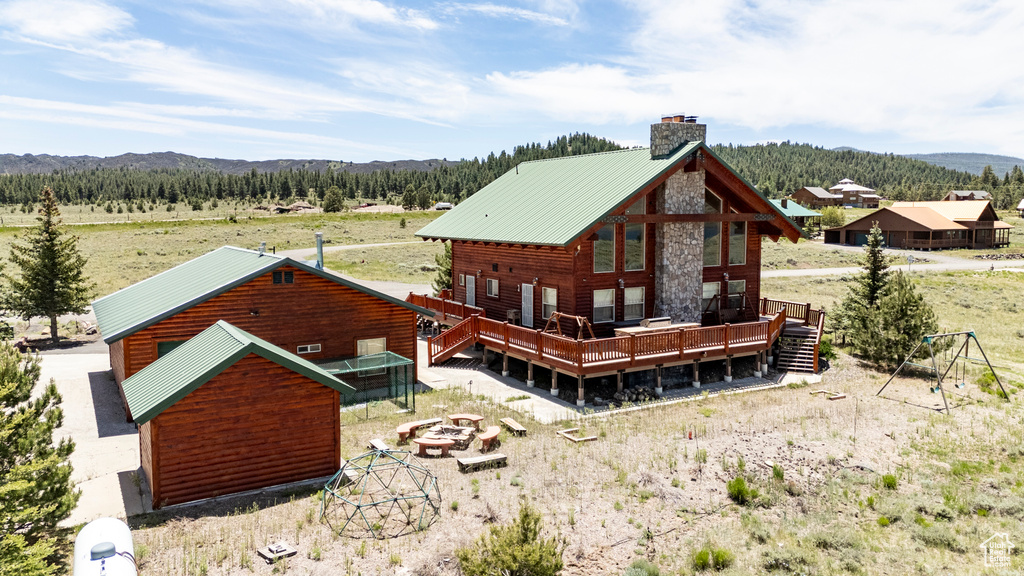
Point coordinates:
[(162, 348), (737, 243), (284, 277), (308, 349), (712, 231), (492, 287), (604, 249), (708, 302), (549, 302), (633, 308), (371, 346), (604, 305)]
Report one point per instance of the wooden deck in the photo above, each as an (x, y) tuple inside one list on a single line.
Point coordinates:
[(600, 356), (448, 312)]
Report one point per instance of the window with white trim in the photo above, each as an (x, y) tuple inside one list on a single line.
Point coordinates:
[(371, 346), (710, 290), (492, 287), (633, 307), (549, 302), (462, 279), (737, 243), (712, 231), (604, 305), (308, 349), (604, 249)]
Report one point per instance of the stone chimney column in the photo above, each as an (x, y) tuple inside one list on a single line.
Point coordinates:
[(679, 246)]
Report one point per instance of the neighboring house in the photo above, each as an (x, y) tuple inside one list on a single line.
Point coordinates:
[(928, 226), (294, 305), (814, 197), (613, 238), (855, 195), (968, 195), (1020, 208), (443, 206), (795, 212), (227, 412)]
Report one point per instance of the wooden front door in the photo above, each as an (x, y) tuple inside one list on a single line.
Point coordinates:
[(528, 305), (470, 290)]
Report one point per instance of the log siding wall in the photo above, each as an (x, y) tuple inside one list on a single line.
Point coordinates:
[(313, 310), (256, 424)]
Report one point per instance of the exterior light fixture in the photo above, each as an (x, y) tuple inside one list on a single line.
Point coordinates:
[(479, 273), (725, 276), (535, 281), (621, 283)]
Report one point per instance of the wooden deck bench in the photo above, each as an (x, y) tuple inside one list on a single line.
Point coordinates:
[(489, 438), (458, 418), (495, 460), (425, 443), (378, 444), (514, 427), (408, 430)]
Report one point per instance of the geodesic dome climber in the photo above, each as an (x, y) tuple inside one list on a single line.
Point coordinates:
[(381, 494)]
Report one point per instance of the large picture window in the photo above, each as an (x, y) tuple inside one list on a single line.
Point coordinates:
[(604, 305), (549, 301), (604, 249), (635, 247), (737, 243), (633, 308), (712, 231)]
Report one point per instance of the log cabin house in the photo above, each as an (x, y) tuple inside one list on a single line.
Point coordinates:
[(296, 306), (801, 216), (616, 238), (815, 197), (956, 195), (929, 226), (217, 415), (855, 195)]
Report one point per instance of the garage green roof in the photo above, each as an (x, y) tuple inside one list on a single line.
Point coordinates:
[(794, 210), (175, 375), (141, 305), (551, 202)]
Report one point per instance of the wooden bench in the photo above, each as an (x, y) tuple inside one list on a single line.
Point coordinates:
[(378, 444), (514, 427), (408, 430), (489, 438), (425, 443), (495, 460), (458, 418)]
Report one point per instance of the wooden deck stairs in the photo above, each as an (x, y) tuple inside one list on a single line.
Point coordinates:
[(798, 350)]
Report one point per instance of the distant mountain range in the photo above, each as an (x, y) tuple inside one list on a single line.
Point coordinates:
[(962, 161), (45, 163)]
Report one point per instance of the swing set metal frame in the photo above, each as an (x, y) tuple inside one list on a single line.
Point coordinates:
[(964, 349)]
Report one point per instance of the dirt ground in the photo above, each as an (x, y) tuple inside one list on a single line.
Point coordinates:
[(653, 485)]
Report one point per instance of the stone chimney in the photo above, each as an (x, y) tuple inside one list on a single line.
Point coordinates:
[(674, 131), (679, 246)]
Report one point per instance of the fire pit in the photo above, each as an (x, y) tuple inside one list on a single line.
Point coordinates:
[(462, 435)]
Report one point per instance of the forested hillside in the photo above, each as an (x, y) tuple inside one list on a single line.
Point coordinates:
[(968, 162), (776, 169)]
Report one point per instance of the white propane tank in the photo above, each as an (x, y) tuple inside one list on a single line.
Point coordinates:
[(104, 547)]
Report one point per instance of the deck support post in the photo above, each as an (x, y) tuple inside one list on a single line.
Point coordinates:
[(657, 374), (554, 382), (619, 378), (504, 364), (696, 373), (579, 394), (766, 359), (757, 365), (728, 368), (530, 382)]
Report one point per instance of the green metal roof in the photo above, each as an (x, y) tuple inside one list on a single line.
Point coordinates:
[(170, 378), (552, 202), (793, 210), (386, 359), (141, 305)]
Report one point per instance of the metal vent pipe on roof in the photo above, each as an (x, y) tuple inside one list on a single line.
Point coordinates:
[(319, 250), (263, 248)]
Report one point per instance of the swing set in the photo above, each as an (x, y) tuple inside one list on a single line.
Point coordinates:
[(958, 362)]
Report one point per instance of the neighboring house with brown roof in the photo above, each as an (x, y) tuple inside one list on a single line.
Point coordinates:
[(929, 225), (967, 195), (855, 195), (815, 197)]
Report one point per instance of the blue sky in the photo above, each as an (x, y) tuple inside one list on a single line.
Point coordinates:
[(361, 80)]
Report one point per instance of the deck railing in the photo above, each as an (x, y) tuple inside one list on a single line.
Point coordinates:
[(449, 309)]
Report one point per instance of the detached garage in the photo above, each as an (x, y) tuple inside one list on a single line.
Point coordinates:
[(227, 412)]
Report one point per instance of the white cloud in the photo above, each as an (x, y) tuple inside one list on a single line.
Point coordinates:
[(63, 20), (507, 12)]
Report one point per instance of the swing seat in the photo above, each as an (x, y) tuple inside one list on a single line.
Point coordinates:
[(961, 384), (934, 389)]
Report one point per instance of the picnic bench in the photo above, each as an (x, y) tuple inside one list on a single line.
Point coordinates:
[(495, 460), (458, 418), (424, 443), (489, 438), (378, 444), (407, 430), (514, 427)]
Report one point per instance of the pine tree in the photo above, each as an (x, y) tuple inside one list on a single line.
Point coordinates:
[(51, 279), (333, 200), (443, 279), (36, 492), (893, 328), (876, 268)]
